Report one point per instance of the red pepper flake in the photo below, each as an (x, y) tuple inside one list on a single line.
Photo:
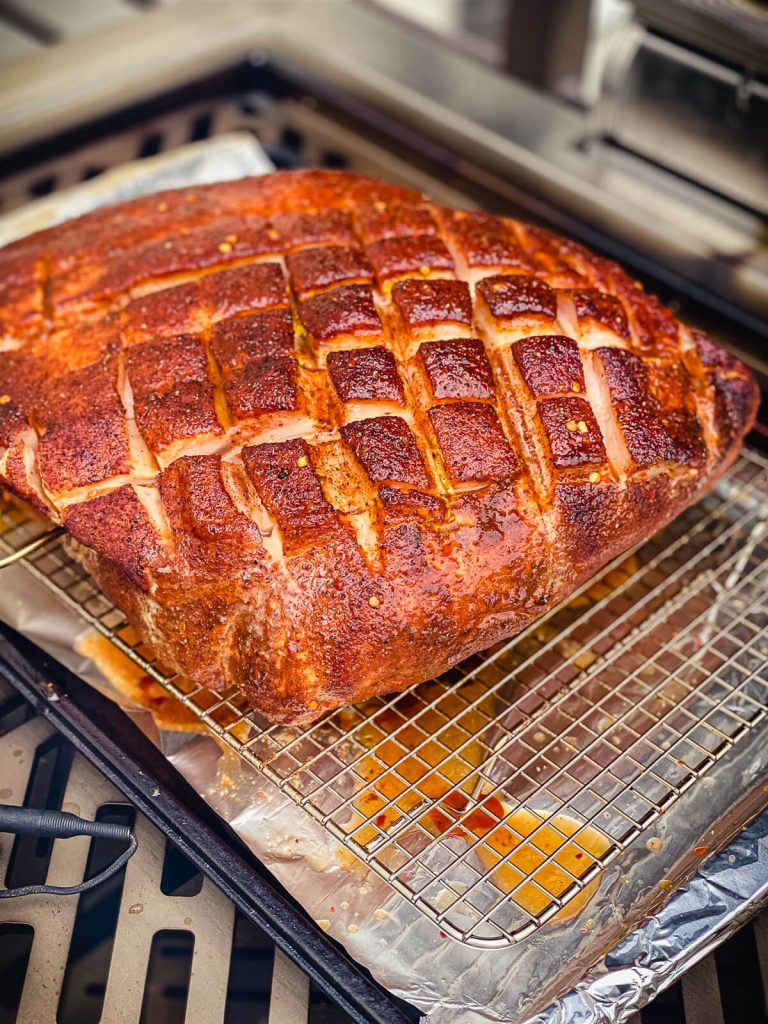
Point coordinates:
[(579, 856), (443, 935), (333, 910), (295, 840), (701, 851), (381, 821)]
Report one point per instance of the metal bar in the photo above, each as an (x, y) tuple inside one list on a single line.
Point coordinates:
[(35, 545), (289, 1003)]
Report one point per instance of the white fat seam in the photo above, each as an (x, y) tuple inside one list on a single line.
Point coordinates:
[(30, 449), (567, 317), (370, 408), (150, 498), (599, 397), (343, 344), (245, 499), (143, 463), (336, 472), (87, 491), (202, 444)]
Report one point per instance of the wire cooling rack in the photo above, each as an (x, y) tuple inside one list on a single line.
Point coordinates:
[(492, 796)]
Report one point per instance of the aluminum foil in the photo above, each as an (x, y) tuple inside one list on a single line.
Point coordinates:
[(651, 928)]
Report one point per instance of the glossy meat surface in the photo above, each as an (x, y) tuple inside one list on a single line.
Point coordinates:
[(321, 439)]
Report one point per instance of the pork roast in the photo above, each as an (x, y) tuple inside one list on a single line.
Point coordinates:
[(320, 439)]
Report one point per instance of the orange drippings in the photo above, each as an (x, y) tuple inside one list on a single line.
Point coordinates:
[(399, 779), (136, 686), (516, 865)]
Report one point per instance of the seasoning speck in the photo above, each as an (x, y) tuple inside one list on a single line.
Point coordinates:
[(701, 851), (301, 462), (351, 928), (273, 234), (225, 247), (570, 425), (323, 923), (576, 386), (380, 914), (5, 399), (424, 270), (583, 428), (374, 602), (654, 845), (136, 908), (379, 205), (594, 478)]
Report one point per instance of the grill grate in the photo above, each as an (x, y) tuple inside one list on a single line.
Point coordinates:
[(293, 134), (492, 796), (156, 943)]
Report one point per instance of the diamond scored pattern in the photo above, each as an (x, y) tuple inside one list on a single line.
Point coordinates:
[(382, 326)]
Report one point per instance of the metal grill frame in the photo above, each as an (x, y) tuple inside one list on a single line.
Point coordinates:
[(734, 512)]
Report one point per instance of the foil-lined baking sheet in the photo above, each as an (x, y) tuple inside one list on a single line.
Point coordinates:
[(561, 972)]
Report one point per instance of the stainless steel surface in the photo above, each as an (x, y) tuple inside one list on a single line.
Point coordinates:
[(533, 142), (56, 20), (734, 30), (15, 44), (690, 113), (141, 982), (545, 44)]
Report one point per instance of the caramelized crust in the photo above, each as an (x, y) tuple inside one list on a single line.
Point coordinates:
[(366, 373), (387, 450), (458, 369), (321, 439)]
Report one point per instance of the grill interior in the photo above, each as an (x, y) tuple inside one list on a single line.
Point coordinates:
[(490, 797)]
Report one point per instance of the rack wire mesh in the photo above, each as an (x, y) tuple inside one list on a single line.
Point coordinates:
[(492, 796)]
